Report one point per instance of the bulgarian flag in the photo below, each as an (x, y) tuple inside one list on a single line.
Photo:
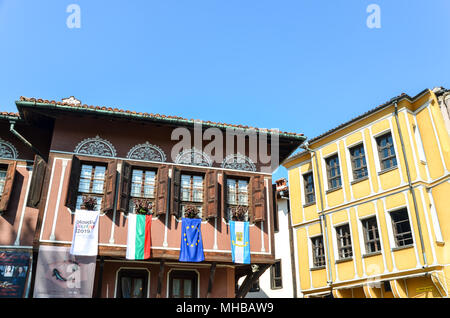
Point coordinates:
[(138, 238)]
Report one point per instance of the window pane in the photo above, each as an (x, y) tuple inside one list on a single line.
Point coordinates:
[(99, 173), (176, 285), (150, 177), (185, 194), (187, 288), (135, 190), (137, 288), (126, 287), (198, 195), (86, 171), (2, 180), (149, 191), (97, 186), (198, 182), (185, 181)]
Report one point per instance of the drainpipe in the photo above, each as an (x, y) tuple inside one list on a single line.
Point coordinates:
[(21, 138), (305, 146), (411, 189)]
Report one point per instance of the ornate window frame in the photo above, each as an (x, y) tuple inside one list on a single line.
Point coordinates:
[(147, 152), (193, 153), (7, 150), (238, 162), (98, 147)]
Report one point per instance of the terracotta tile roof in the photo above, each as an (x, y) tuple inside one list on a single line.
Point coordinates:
[(118, 111), (9, 114)]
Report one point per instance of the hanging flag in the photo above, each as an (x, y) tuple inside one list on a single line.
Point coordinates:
[(240, 242), (138, 238), (191, 249), (85, 233)]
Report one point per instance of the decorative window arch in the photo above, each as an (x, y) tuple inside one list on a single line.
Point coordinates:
[(194, 157), (7, 150), (148, 152), (238, 162), (96, 147)]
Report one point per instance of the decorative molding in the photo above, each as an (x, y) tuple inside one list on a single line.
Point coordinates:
[(96, 146), (194, 157), (147, 152), (238, 162), (7, 150), (72, 101)]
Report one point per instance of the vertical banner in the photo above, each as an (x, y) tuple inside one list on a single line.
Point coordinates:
[(14, 266), (240, 242), (85, 233), (191, 249), (138, 237), (60, 274)]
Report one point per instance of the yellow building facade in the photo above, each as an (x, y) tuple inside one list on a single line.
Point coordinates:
[(370, 203)]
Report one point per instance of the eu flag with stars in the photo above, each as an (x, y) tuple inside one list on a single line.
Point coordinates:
[(191, 249)]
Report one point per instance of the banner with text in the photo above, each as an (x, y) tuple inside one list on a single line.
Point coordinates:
[(14, 266), (60, 274), (85, 233)]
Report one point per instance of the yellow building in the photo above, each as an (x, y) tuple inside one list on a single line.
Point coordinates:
[(370, 203)]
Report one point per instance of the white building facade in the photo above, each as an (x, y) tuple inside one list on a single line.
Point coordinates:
[(279, 280)]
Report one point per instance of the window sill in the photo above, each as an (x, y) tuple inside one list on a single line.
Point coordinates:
[(359, 180), (309, 204), (317, 268), (371, 254), (401, 247), (387, 170), (343, 260), (334, 189)]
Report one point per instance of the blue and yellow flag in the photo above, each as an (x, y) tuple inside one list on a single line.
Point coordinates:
[(191, 249), (240, 242)]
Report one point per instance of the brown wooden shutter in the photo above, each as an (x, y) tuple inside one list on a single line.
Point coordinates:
[(74, 180), (212, 194), (162, 192), (37, 180), (124, 194), (258, 202), (7, 190), (223, 195), (110, 192), (275, 208), (175, 184)]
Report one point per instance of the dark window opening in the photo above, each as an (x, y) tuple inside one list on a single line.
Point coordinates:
[(276, 275), (318, 251), (402, 228), (132, 283), (386, 152), (358, 159), (371, 235), (333, 172), (308, 182), (183, 284), (344, 241)]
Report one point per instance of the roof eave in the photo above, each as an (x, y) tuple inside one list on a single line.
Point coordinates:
[(129, 115)]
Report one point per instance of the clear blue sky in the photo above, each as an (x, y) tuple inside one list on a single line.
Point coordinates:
[(301, 66)]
